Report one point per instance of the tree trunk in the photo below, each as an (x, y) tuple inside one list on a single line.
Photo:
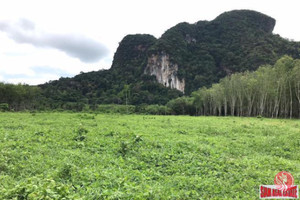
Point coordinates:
[(291, 100)]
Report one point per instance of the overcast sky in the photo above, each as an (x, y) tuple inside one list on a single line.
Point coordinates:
[(43, 40)]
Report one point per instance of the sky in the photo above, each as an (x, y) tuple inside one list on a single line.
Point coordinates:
[(43, 40)]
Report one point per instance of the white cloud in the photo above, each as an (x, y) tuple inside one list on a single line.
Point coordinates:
[(33, 80), (75, 45)]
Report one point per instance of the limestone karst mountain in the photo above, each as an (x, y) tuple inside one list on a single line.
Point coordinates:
[(185, 58)]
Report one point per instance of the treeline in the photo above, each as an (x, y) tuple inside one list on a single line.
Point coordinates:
[(270, 91), (19, 97)]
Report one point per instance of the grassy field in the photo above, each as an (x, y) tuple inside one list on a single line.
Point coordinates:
[(88, 156)]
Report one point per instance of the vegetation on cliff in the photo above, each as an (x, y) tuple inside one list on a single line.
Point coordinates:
[(235, 41), (124, 83), (205, 52)]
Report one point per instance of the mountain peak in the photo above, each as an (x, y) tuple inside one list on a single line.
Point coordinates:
[(250, 18), (132, 47)]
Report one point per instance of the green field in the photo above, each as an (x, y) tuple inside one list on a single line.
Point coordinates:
[(89, 156)]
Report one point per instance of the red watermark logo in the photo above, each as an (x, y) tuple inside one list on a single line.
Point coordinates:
[(284, 180), (284, 188), (271, 192)]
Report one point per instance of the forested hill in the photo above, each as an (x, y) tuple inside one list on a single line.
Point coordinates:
[(185, 58)]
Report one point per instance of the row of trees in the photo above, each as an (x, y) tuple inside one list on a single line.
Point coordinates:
[(19, 97), (271, 91)]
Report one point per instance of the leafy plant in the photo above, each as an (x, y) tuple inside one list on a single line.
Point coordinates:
[(81, 134), (151, 157)]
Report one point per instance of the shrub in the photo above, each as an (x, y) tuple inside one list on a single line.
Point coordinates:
[(115, 108), (157, 110), (4, 107)]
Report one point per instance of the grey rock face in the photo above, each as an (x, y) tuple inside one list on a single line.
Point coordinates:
[(164, 71)]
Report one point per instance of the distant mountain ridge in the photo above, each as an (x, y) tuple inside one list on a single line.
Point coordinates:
[(185, 58)]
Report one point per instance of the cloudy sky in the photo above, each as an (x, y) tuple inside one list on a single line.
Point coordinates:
[(43, 40)]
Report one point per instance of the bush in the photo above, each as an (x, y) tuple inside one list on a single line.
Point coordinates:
[(4, 107), (182, 106), (157, 110), (114, 108)]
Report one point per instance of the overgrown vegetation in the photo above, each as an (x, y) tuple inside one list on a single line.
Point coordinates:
[(88, 156)]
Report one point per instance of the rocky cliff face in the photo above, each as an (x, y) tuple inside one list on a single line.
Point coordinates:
[(164, 71)]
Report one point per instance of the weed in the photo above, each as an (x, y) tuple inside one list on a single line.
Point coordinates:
[(137, 138), (81, 134), (39, 133), (65, 172), (183, 132), (124, 148), (142, 157)]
